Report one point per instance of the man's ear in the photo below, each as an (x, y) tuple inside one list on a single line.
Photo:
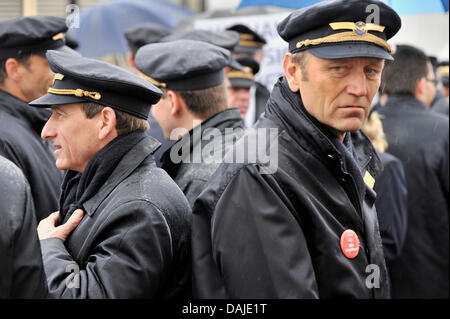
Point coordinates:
[(12, 68), (131, 59), (107, 123), (420, 87), (291, 72), (175, 103)]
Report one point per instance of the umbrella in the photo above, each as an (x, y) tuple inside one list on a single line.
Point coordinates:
[(402, 7), (101, 27)]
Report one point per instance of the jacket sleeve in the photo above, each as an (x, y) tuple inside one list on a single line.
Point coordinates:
[(257, 247), (130, 260), (392, 210), (28, 272)]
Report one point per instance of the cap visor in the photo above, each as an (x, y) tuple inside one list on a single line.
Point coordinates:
[(234, 64), (67, 49), (247, 50), (241, 83), (350, 50), (48, 100)]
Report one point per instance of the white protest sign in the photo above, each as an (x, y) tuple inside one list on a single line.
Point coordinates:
[(265, 25)]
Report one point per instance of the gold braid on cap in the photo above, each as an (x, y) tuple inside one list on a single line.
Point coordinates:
[(443, 70), (236, 74), (154, 82), (58, 36), (247, 40), (77, 92), (360, 33)]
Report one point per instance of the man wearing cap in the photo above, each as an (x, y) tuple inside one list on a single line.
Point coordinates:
[(306, 228), (122, 230), (420, 139), (240, 83), (20, 255), (251, 45), (193, 110), (440, 104), (142, 34), (224, 39), (138, 36), (25, 76)]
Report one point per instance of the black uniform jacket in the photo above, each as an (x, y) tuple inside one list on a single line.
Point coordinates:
[(419, 138), (21, 143), (274, 231), (22, 273), (133, 241), (391, 204), (201, 151), (261, 96)]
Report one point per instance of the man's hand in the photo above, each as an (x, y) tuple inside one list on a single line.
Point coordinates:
[(46, 228)]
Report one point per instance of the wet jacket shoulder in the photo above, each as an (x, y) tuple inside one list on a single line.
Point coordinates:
[(199, 153), (134, 240), (20, 142), (20, 256), (270, 227)]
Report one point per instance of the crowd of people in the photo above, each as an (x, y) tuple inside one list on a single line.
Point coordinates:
[(186, 178)]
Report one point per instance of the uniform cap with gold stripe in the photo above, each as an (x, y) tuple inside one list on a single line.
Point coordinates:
[(32, 35), (78, 79), (338, 29), (183, 65), (249, 40)]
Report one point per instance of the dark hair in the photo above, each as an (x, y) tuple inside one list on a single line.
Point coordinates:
[(125, 123), (21, 59), (205, 103), (401, 75)]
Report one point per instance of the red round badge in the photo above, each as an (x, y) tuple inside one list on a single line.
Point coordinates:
[(350, 244)]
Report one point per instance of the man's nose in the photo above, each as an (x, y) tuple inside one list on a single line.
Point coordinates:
[(358, 84), (48, 131)]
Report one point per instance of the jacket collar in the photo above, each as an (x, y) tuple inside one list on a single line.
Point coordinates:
[(404, 101), (286, 108), (34, 117), (126, 167), (228, 118)]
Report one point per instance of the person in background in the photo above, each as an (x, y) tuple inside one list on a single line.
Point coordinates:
[(142, 34), (240, 83), (251, 44), (440, 103), (138, 36), (420, 139), (390, 186), (194, 103), (442, 70), (25, 76)]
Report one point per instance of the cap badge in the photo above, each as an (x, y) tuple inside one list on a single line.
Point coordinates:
[(360, 28), (57, 76)]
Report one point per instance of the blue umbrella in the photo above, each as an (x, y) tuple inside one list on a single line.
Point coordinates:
[(101, 27), (403, 7)]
